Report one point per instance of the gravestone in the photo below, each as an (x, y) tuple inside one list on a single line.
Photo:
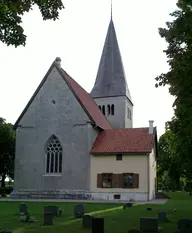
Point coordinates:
[(51, 209), (184, 224), (59, 211), (134, 231), (79, 211), (162, 217), (149, 225), (48, 218), (87, 221), (98, 225), (149, 209), (127, 205), (23, 208)]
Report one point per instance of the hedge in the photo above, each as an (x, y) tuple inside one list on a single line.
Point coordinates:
[(5, 191)]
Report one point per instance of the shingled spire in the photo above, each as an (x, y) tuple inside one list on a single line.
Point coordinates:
[(111, 80)]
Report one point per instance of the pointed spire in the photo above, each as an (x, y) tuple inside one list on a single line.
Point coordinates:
[(111, 10), (111, 80)]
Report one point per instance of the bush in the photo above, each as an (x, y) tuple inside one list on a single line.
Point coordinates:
[(5, 191), (188, 187)]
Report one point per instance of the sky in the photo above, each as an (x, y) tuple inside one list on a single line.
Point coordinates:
[(78, 38)]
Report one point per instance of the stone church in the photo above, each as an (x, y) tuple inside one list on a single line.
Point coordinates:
[(74, 145)]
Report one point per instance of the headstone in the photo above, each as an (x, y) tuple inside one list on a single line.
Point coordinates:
[(149, 209), (79, 211), (23, 208), (134, 231), (149, 225), (127, 205), (98, 225), (162, 217), (59, 211), (51, 209), (87, 221), (184, 224), (48, 218)]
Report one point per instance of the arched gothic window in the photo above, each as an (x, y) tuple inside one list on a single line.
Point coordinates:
[(54, 153), (112, 109)]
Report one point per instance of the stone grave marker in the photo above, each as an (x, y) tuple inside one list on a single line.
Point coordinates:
[(149, 224), (87, 221), (162, 217), (48, 218), (127, 205), (98, 225), (23, 209), (79, 211), (51, 209), (184, 224), (134, 231)]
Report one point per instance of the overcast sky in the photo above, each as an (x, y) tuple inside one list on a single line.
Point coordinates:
[(78, 38)]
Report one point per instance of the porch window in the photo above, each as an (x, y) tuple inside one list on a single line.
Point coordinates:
[(107, 180)]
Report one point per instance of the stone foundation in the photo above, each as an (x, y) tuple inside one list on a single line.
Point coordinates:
[(51, 194), (121, 196), (78, 195)]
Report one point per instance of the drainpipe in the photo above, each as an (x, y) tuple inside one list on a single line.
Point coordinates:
[(148, 175)]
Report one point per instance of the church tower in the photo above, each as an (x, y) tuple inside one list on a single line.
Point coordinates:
[(110, 90)]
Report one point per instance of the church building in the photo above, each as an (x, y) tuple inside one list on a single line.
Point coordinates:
[(74, 145)]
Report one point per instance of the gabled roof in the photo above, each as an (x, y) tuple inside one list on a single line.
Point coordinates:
[(111, 80), (82, 96), (131, 141)]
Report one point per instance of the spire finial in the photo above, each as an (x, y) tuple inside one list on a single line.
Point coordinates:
[(111, 9)]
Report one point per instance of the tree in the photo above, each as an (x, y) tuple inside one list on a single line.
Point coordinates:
[(7, 151), (11, 12), (178, 35), (169, 160)]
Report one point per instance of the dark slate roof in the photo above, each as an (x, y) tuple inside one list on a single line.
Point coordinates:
[(86, 101), (111, 80), (131, 141)]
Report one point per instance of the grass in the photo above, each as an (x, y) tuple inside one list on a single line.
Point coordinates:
[(117, 220)]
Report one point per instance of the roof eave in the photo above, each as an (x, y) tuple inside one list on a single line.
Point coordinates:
[(125, 153)]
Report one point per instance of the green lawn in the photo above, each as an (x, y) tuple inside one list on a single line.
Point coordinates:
[(117, 220)]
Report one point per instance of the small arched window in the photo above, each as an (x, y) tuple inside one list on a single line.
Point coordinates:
[(103, 109), (112, 109), (100, 107), (108, 110), (54, 153)]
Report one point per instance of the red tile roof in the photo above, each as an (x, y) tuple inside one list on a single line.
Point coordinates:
[(87, 102), (133, 140)]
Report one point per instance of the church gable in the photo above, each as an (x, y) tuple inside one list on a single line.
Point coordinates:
[(53, 101), (59, 90)]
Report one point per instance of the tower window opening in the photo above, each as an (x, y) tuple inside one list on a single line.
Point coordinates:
[(129, 113), (100, 107), (103, 109), (108, 110), (112, 109)]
